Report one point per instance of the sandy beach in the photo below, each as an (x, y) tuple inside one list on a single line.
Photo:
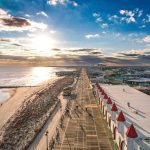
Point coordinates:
[(18, 96), (26, 112)]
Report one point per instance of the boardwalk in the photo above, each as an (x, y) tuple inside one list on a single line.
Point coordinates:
[(85, 128)]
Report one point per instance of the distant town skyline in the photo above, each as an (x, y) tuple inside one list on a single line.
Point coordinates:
[(88, 31)]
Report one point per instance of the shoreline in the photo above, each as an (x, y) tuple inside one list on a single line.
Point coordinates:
[(33, 104), (17, 98), (11, 90), (8, 93)]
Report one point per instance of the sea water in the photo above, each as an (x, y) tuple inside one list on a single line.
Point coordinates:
[(15, 76)]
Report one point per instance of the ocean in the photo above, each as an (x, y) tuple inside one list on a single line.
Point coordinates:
[(11, 76)]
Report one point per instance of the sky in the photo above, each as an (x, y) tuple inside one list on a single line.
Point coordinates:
[(87, 31)]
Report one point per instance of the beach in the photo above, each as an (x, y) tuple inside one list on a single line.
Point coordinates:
[(11, 105), (28, 111)]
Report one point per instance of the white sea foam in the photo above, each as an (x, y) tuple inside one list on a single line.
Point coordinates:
[(4, 95)]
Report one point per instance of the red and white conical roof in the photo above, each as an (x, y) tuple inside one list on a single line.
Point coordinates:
[(109, 101), (121, 117), (114, 107), (131, 132)]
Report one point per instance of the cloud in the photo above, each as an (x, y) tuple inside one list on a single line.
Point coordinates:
[(89, 50), (128, 20), (140, 13), (52, 31), (128, 16), (127, 13), (147, 39), (15, 22), (16, 44), (75, 4), (142, 26), (5, 40), (96, 53), (91, 56), (130, 57), (104, 25), (55, 2), (42, 13), (147, 19), (62, 2), (11, 23), (56, 49), (113, 17), (96, 15), (122, 12), (27, 15), (4, 14), (99, 19), (89, 36)]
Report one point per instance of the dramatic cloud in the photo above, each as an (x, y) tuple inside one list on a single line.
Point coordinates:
[(91, 56), (4, 14), (89, 36), (5, 40), (15, 22), (11, 23)]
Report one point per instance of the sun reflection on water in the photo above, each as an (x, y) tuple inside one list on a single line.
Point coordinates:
[(41, 74)]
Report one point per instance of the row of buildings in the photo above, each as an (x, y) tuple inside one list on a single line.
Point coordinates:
[(127, 112)]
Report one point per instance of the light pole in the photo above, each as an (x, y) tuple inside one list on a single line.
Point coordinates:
[(46, 134)]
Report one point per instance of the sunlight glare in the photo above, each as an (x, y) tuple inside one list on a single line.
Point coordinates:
[(41, 74), (42, 44)]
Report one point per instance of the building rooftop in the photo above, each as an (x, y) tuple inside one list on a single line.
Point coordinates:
[(134, 104), (141, 80)]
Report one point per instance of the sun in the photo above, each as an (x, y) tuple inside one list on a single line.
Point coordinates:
[(42, 44)]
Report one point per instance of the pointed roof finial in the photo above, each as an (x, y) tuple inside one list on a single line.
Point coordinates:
[(105, 96), (131, 132), (121, 117), (109, 101), (114, 107)]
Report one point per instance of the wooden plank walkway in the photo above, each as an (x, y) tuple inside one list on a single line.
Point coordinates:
[(85, 129)]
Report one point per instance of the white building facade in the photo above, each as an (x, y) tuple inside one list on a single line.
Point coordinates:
[(129, 131)]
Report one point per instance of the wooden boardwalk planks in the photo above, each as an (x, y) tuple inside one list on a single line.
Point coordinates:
[(85, 129)]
